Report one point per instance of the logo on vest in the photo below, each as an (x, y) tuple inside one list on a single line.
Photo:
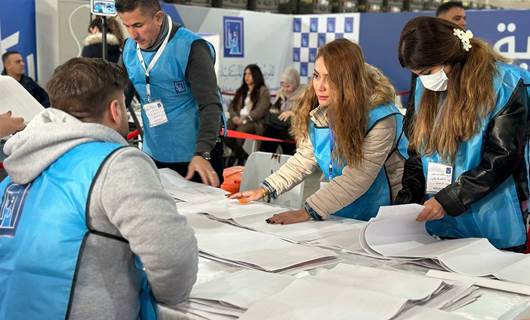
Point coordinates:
[(180, 86), (11, 208)]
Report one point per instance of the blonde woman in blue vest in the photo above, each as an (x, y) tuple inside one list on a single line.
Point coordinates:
[(346, 124), (469, 138)]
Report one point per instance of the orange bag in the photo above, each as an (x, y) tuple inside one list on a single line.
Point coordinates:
[(232, 179)]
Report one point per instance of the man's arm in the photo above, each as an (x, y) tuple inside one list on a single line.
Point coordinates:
[(200, 74), (129, 90), (129, 194)]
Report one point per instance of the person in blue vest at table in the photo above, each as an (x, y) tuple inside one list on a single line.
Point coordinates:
[(468, 155), (86, 228), (172, 71), (346, 124)]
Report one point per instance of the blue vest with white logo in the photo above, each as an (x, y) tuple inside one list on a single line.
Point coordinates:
[(43, 227), (498, 215), (379, 193), (173, 141)]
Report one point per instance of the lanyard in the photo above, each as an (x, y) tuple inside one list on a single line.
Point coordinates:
[(331, 142), (147, 69)]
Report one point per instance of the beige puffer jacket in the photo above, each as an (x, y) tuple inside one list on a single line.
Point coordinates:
[(354, 182)]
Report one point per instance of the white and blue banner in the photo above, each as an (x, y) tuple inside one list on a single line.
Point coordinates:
[(312, 31), (276, 41), (17, 31), (246, 37), (508, 31)]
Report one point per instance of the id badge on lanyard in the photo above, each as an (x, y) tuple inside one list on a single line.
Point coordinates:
[(155, 113), (439, 176), (154, 109), (330, 166)]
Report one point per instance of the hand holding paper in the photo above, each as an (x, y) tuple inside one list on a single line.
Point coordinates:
[(9, 124), (432, 210)]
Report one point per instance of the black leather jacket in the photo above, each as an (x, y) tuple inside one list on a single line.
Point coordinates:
[(503, 156)]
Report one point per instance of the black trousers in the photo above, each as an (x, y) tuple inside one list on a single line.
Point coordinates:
[(272, 146), (182, 167)]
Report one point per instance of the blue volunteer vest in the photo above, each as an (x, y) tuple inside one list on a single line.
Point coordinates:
[(43, 228), (173, 141), (379, 193), (498, 215)]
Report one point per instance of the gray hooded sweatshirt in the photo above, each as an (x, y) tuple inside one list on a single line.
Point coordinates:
[(128, 201)]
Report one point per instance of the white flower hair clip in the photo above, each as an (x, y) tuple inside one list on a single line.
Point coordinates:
[(465, 37)]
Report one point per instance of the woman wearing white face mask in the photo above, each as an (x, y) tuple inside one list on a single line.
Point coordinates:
[(468, 152)]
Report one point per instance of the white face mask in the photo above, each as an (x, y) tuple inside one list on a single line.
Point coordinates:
[(436, 81)]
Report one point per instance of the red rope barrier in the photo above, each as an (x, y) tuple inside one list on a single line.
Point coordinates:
[(243, 135), (230, 134), (133, 134), (231, 94)]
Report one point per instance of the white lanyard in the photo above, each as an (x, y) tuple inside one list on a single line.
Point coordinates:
[(147, 69)]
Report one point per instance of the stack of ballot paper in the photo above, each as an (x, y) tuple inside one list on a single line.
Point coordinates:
[(344, 292), (184, 190), (396, 233), (230, 244), (349, 292), (232, 295)]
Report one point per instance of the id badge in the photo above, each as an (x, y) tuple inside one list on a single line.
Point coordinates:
[(156, 115), (439, 176)]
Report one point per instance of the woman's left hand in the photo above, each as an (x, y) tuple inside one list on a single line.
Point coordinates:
[(288, 217), (284, 116), (432, 210)]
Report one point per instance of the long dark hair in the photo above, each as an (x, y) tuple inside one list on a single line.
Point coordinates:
[(242, 92), (427, 42)]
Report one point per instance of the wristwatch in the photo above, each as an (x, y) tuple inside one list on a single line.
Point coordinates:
[(205, 155)]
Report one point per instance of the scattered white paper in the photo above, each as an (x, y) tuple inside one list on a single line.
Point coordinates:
[(259, 250), (395, 233), (241, 289), (185, 190), (308, 299), (482, 282), (298, 232)]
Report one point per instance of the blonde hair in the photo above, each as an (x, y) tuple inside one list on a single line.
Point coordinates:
[(355, 88)]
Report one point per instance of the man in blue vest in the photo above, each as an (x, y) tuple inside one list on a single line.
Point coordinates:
[(172, 71), (86, 229)]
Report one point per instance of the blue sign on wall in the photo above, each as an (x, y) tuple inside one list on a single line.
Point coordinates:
[(507, 31), (233, 40), (379, 38), (17, 31)]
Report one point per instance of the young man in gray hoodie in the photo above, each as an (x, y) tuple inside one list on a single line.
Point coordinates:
[(86, 229)]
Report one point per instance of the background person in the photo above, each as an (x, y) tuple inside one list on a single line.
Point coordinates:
[(278, 120), (247, 109), (14, 67), (93, 43)]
